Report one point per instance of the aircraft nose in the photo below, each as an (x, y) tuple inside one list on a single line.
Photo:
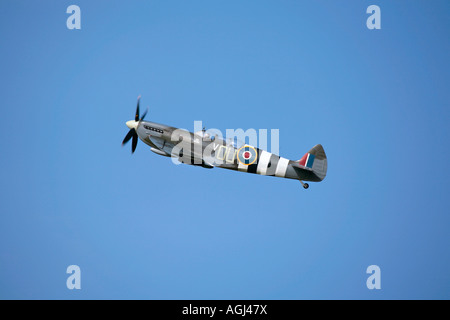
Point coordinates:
[(132, 124)]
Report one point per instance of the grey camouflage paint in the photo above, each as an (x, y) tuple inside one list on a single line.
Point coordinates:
[(196, 149)]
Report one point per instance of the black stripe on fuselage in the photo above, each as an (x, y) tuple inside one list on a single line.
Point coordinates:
[(272, 166), (252, 168)]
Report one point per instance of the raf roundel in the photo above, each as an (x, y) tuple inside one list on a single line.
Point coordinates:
[(247, 155)]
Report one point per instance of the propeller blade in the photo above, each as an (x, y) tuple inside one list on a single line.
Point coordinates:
[(136, 117), (143, 116), (128, 136), (134, 144)]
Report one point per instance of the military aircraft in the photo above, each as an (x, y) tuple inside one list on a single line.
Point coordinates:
[(202, 149)]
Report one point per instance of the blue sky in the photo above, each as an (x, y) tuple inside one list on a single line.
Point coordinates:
[(141, 227)]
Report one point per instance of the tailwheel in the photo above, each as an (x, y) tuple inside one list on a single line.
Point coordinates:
[(305, 185)]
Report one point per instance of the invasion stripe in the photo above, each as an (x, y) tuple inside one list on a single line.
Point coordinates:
[(282, 167), (242, 167), (254, 165), (272, 165), (263, 162)]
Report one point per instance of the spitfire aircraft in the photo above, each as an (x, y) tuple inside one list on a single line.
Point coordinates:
[(202, 149)]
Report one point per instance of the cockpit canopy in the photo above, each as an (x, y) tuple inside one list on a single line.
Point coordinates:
[(236, 143), (205, 135)]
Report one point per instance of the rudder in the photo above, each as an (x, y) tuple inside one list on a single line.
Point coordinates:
[(315, 160)]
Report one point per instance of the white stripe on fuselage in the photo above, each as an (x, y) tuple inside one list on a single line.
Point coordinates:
[(282, 167), (242, 167), (263, 162)]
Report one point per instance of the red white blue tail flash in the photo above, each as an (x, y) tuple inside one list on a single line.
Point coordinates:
[(307, 160)]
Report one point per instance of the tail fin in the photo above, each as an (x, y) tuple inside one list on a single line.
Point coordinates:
[(316, 161)]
